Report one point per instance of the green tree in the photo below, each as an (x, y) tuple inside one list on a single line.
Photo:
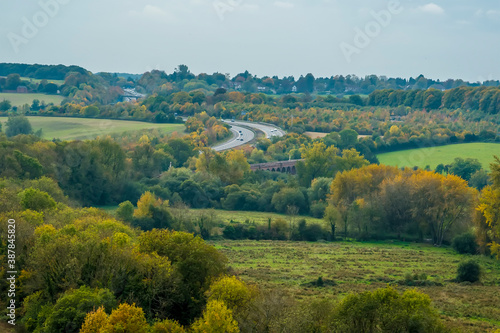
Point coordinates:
[(125, 211), (320, 189), (348, 138), (30, 167), (319, 161), (36, 200), (13, 81), (464, 168), (5, 105), (287, 197), (70, 310), (332, 217), (196, 262), (18, 125)]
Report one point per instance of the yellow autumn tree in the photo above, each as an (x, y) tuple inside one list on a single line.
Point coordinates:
[(489, 208), (95, 321), (237, 166), (232, 291), (144, 205), (127, 319), (167, 326), (217, 318)]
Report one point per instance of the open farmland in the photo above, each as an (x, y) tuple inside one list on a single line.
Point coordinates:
[(434, 156), (357, 267), (85, 128), (21, 99)]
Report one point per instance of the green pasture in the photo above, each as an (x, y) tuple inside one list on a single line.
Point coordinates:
[(434, 156), (21, 99), (86, 128)]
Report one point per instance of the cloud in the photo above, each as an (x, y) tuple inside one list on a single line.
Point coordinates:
[(284, 5), (150, 12), (153, 11), (492, 14), (431, 8)]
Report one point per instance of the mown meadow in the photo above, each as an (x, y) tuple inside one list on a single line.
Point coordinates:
[(85, 128), (433, 156), (346, 267)]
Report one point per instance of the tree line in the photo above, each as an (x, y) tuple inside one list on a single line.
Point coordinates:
[(484, 99)]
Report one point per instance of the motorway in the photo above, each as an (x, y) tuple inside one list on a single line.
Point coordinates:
[(243, 135)]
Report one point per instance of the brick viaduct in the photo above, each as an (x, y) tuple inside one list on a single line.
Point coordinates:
[(282, 166)]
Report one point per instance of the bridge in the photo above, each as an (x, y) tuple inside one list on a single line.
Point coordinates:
[(281, 166)]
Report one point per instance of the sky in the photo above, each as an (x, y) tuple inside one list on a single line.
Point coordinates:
[(443, 39)]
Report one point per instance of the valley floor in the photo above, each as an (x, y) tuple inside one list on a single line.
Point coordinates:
[(357, 267)]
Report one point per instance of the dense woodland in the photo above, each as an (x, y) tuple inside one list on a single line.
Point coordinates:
[(148, 268)]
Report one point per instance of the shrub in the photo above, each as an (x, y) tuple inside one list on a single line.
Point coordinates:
[(70, 310), (385, 310), (317, 209), (36, 200), (465, 244), (125, 211), (469, 271)]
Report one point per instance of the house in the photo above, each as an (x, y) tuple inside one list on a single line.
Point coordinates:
[(294, 89), (22, 90)]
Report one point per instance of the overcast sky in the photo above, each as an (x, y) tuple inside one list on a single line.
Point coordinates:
[(441, 39)]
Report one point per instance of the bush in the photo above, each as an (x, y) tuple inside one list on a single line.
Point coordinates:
[(125, 211), (385, 310), (317, 209), (36, 200), (469, 271), (465, 244)]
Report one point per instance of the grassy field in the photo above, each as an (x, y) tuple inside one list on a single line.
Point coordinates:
[(357, 267), (58, 82), (433, 156), (85, 128), (21, 99), (257, 217), (237, 216)]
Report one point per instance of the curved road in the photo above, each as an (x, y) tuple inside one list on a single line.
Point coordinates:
[(242, 135)]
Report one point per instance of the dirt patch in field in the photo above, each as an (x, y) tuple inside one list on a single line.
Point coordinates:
[(315, 135)]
